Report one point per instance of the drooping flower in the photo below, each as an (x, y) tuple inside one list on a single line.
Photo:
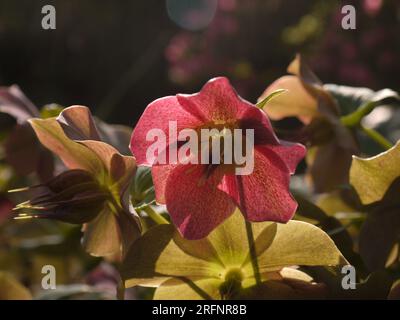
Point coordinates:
[(94, 190), (220, 265), (21, 142), (201, 196), (331, 143), (331, 116)]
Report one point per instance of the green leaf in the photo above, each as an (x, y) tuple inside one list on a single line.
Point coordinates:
[(372, 177), (352, 98)]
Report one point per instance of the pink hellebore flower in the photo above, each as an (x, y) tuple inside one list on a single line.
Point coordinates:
[(201, 196)]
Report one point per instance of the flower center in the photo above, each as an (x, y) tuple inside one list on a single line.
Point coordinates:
[(232, 283), (224, 143)]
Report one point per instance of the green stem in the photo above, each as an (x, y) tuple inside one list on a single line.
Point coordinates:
[(157, 218), (253, 254), (377, 137), (354, 119)]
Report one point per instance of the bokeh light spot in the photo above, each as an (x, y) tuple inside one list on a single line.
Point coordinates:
[(192, 14)]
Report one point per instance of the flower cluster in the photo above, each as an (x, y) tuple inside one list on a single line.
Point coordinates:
[(204, 207)]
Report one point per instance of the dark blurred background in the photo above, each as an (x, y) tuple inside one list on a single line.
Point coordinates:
[(117, 56)]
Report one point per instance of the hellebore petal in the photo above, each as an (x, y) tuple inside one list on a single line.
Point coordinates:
[(201, 268), (120, 168), (216, 101), (189, 193), (158, 256), (264, 194), (160, 174), (290, 153), (95, 156), (327, 105), (73, 136), (295, 102), (73, 154), (254, 118), (329, 166), (372, 177), (16, 104), (78, 124), (118, 136), (297, 243), (21, 142), (186, 289), (109, 233), (157, 116)]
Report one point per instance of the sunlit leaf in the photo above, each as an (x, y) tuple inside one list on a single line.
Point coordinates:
[(11, 289), (372, 177), (162, 255)]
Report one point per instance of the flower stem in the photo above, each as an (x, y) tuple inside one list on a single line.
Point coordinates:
[(354, 119), (377, 137), (120, 290), (253, 254), (157, 218)]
